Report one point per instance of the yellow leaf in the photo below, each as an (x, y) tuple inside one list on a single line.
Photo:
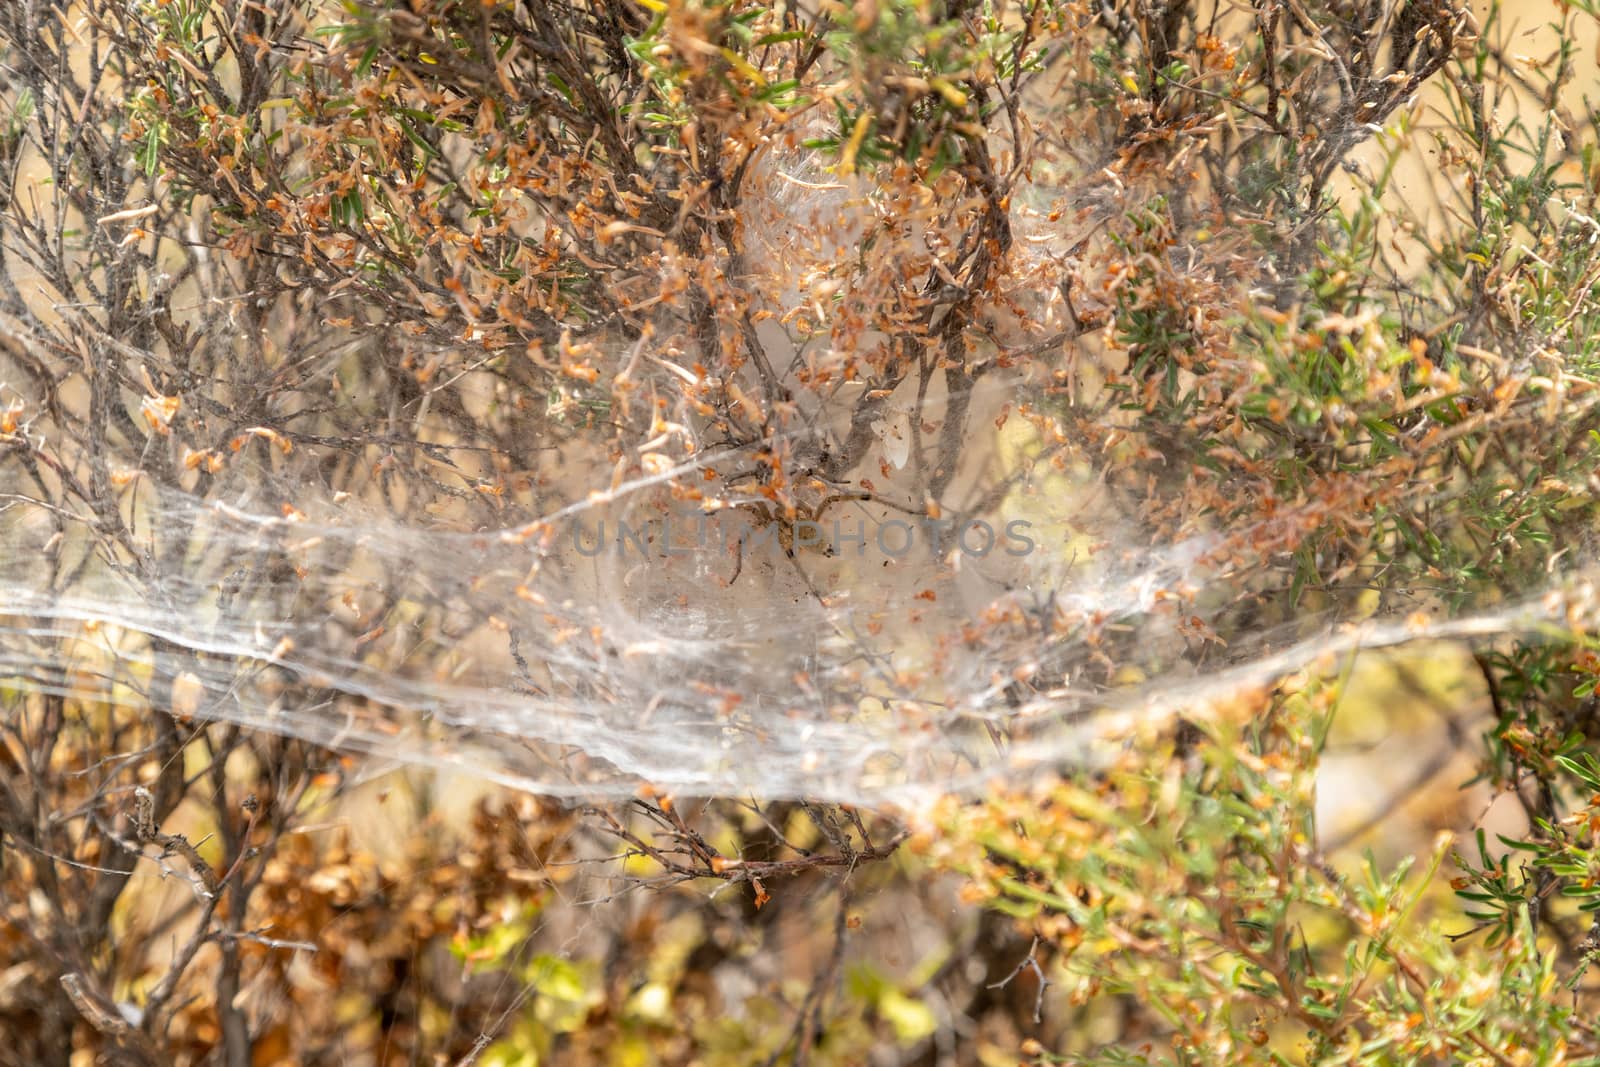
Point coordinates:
[(739, 64), (955, 96), (847, 158)]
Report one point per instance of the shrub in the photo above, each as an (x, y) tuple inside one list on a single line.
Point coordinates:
[(325, 328)]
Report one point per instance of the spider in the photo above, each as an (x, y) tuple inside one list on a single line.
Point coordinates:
[(767, 513)]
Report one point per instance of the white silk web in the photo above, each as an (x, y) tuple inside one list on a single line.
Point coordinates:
[(972, 593), (603, 646)]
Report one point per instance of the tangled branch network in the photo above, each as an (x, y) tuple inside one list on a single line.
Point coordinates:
[(904, 586)]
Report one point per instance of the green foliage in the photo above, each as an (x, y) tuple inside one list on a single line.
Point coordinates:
[(1191, 884)]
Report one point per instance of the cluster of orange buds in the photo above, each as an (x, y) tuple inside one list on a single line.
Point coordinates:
[(284, 444)]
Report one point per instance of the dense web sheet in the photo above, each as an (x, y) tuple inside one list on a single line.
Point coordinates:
[(894, 583), (874, 655)]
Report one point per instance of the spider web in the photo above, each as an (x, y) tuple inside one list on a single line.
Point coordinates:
[(599, 628)]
